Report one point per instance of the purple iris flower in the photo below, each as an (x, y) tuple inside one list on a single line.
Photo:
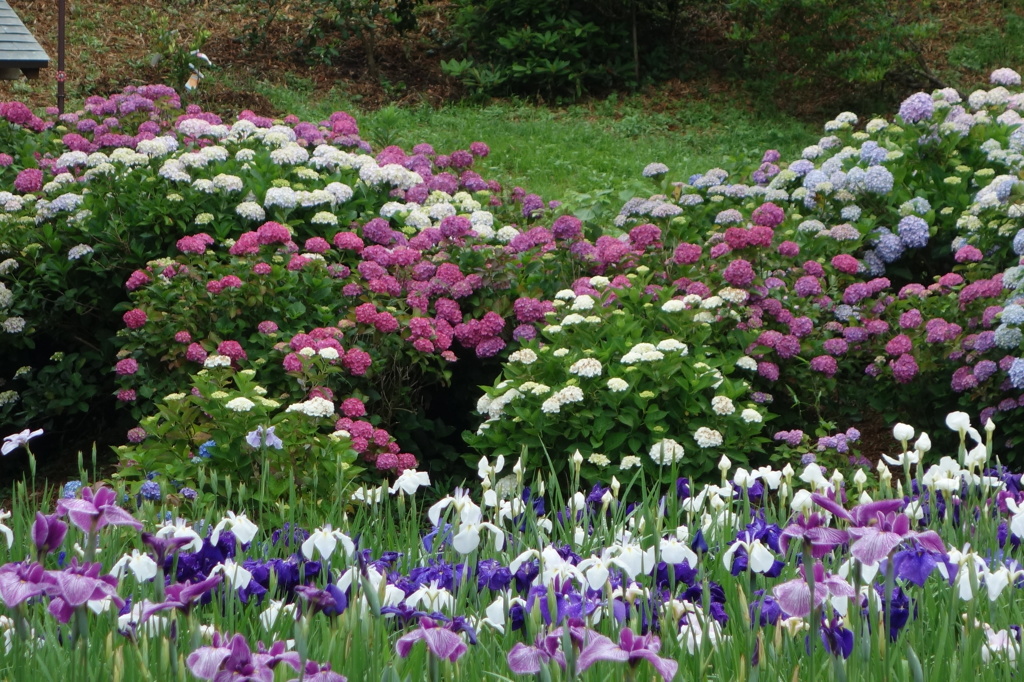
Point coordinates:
[(899, 609), (232, 659), (78, 584), (317, 673), (96, 509), (794, 596), (631, 649), (525, 659), (838, 640), (47, 533), (877, 529), (164, 548), (441, 642), (683, 574), (766, 609), (264, 436), (332, 601), (22, 581), (491, 574), (811, 529), (182, 596), (914, 565)]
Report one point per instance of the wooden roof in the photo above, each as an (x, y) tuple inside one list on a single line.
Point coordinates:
[(18, 47)]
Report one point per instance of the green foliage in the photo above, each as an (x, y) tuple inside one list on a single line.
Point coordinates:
[(787, 43), (333, 22), (552, 48), (204, 439)]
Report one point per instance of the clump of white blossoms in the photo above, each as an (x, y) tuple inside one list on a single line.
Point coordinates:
[(667, 451), (751, 416), (630, 462), (314, 407), (216, 361), (569, 394), (669, 345), (707, 438), (673, 306), (722, 405), (525, 356), (642, 352), (240, 404), (587, 367), (582, 302), (748, 363), (617, 385)]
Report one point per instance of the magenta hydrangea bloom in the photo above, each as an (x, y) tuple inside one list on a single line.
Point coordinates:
[(126, 366), (29, 180), (739, 273), (135, 318)]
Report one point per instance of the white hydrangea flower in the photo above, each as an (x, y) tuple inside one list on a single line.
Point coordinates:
[(314, 407), (722, 405), (629, 462), (240, 404), (586, 367), (525, 356), (751, 416), (666, 451), (617, 385), (707, 438)]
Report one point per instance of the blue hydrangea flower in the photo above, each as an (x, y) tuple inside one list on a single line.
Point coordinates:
[(1018, 243), (70, 489), (205, 449), (889, 247), (872, 153), (850, 213), (1016, 373), (654, 170), (873, 264), (1012, 314), (150, 490), (844, 312), (189, 493), (913, 232), (1008, 337)]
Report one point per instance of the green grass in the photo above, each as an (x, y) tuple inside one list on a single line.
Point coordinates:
[(599, 146)]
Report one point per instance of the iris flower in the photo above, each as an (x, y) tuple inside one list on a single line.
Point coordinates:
[(441, 642), (16, 440), (96, 509), (631, 649)]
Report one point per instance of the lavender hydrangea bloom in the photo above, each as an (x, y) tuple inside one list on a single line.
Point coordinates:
[(878, 180), (916, 108), (913, 232), (654, 170), (1005, 77)]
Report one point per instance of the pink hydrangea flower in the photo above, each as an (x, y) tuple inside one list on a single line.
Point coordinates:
[(127, 366), (135, 318)]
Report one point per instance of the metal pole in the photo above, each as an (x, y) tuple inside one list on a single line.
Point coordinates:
[(61, 75)]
